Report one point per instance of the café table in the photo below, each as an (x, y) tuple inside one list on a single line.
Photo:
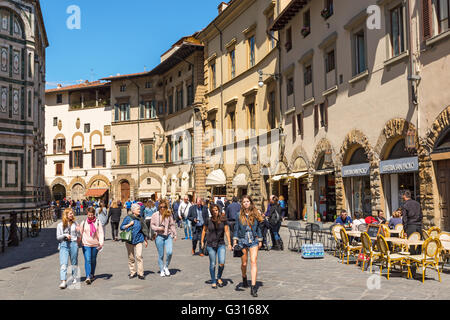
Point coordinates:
[(356, 234)]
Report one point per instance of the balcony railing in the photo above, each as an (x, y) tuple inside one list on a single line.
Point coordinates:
[(90, 104)]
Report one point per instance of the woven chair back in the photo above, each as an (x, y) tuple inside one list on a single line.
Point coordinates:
[(366, 243), (382, 245), (415, 236), (398, 227), (362, 227), (431, 247), (344, 236)]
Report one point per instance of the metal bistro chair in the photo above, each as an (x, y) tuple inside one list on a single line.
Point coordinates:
[(391, 258), (434, 232), (295, 235), (429, 257), (368, 251), (311, 229)]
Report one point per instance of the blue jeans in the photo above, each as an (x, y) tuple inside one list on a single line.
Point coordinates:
[(77, 211), (68, 249), (164, 242), (187, 228), (90, 260), (214, 253)]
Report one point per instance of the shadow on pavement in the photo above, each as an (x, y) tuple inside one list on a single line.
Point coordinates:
[(240, 286), (30, 249), (174, 271), (146, 273)]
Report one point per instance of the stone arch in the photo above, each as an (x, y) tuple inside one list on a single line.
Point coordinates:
[(150, 175), (441, 123), (22, 18), (99, 177), (78, 134), (96, 132), (75, 181), (320, 149), (299, 152), (58, 181), (60, 136), (393, 131), (351, 142)]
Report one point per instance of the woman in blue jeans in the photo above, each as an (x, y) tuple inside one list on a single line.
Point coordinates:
[(215, 230), (163, 224), (67, 233)]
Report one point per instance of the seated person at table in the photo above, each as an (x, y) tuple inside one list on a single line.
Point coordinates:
[(370, 219), (344, 219), (396, 219), (381, 218), (358, 221)]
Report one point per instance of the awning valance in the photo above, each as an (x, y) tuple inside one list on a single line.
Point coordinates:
[(216, 178), (146, 194), (298, 175), (240, 180), (95, 193), (280, 177), (323, 172)]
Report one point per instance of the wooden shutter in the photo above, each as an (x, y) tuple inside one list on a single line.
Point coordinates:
[(70, 159), (294, 130), (427, 19), (104, 158), (64, 145), (81, 159), (54, 146), (325, 113), (93, 158), (142, 108), (116, 112), (316, 117), (128, 112)]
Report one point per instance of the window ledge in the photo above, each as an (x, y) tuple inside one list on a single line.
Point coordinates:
[(396, 59), (359, 77), (437, 38), (308, 102), (291, 110), (330, 91)]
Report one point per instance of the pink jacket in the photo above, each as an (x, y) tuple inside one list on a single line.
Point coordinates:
[(163, 227), (86, 239)]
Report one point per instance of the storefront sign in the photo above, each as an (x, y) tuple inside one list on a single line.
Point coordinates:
[(399, 165), (356, 170)]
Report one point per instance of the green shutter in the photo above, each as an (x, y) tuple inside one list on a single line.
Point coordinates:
[(123, 156), (116, 112), (148, 154)]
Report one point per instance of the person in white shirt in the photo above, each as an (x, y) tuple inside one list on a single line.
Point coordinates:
[(358, 221), (183, 211)]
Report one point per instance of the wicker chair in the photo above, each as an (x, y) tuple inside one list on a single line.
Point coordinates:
[(415, 236), (425, 234), (445, 255), (347, 247), (391, 258), (434, 232), (368, 251), (429, 257), (399, 228), (335, 231), (362, 227)]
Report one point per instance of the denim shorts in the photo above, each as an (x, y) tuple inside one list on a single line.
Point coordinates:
[(246, 245)]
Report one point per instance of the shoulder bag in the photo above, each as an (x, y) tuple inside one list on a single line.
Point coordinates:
[(126, 235)]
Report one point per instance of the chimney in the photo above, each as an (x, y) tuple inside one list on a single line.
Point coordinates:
[(222, 7), (59, 85)]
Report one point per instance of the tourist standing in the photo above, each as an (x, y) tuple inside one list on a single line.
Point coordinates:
[(139, 236), (67, 233), (232, 211), (215, 230), (163, 224), (175, 206), (396, 218), (183, 211), (275, 217), (198, 215), (283, 207), (128, 206), (102, 214), (92, 240), (114, 214), (247, 234)]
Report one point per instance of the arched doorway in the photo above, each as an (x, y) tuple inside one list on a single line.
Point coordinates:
[(441, 157), (124, 191), (59, 192), (78, 192)]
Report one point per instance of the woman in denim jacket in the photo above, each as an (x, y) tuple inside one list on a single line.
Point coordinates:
[(247, 234)]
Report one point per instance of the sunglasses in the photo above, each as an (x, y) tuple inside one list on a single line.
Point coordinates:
[(163, 207)]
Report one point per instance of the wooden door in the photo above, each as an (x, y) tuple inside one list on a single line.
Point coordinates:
[(443, 179), (78, 192), (124, 191)]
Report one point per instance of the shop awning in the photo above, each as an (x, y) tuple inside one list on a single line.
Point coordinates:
[(216, 178), (356, 170), (323, 172), (279, 177), (240, 181), (146, 194), (95, 193), (298, 175)]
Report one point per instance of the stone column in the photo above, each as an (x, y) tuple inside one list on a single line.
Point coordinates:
[(375, 184), (426, 189)]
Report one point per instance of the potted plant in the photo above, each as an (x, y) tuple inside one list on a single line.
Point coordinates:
[(305, 31)]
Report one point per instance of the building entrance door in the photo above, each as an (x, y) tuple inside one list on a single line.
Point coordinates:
[(124, 191), (443, 179)]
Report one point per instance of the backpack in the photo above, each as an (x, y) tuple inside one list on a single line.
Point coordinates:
[(275, 217)]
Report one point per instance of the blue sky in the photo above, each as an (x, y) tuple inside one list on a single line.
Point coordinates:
[(117, 36)]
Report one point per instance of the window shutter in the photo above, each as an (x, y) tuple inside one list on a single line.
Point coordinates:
[(325, 112), (93, 158), (64, 145), (54, 146), (104, 157), (116, 112), (81, 159), (128, 112), (316, 117), (294, 130), (427, 19), (70, 159), (142, 108)]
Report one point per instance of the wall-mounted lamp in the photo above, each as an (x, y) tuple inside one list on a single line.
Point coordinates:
[(262, 74)]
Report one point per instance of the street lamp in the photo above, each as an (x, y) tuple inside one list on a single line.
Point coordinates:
[(410, 140), (261, 79)]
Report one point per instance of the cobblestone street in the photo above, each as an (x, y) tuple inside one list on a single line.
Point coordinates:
[(31, 271)]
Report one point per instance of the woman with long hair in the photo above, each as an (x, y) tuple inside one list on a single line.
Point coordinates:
[(163, 224), (67, 233), (247, 234), (215, 230), (114, 214), (92, 240)]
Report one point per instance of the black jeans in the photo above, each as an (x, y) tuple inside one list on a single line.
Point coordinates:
[(411, 229), (196, 237), (115, 229)]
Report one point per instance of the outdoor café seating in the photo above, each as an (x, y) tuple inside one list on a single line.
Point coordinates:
[(348, 249), (390, 259), (429, 257), (368, 251)]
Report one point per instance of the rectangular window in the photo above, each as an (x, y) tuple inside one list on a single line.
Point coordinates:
[(124, 112), (59, 98), (397, 31), (60, 146), (170, 104), (328, 10), (442, 12), (87, 128), (78, 159), (149, 110), (100, 160), (59, 169), (213, 75), (308, 75), (251, 114), (232, 124), (190, 93), (360, 52), (148, 154), (55, 121), (148, 85), (232, 55), (329, 61), (123, 88), (306, 23), (288, 44), (252, 52), (272, 121), (123, 155), (290, 86)]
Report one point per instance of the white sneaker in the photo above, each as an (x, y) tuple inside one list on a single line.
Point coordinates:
[(163, 274), (166, 271), (63, 285)]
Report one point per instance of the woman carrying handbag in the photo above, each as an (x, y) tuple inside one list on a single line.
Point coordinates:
[(135, 234)]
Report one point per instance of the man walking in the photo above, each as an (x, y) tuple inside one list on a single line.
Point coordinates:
[(175, 206), (78, 208), (198, 215), (232, 211), (411, 217), (275, 222), (128, 205), (183, 211)]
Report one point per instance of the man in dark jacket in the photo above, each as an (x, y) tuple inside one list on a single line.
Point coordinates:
[(232, 211), (274, 218), (198, 215), (411, 217)]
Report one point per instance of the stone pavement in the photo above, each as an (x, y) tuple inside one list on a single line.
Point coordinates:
[(31, 271)]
